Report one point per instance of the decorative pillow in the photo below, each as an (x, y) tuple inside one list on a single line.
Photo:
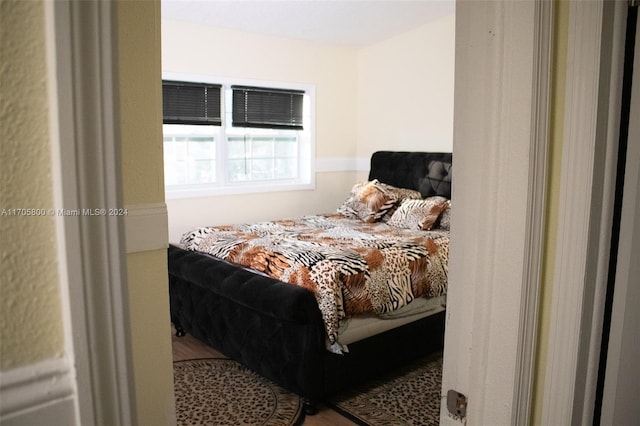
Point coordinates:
[(445, 218), (401, 194), (418, 214), (438, 179), (369, 201)]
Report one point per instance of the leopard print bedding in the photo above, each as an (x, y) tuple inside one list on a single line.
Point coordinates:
[(352, 267)]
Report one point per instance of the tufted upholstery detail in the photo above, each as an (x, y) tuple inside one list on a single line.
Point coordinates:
[(428, 172), (271, 327), (281, 335)]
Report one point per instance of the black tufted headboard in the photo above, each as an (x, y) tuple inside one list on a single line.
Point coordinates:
[(427, 172)]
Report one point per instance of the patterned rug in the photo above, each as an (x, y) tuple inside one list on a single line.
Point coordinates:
[(410, 396), (218, 391)]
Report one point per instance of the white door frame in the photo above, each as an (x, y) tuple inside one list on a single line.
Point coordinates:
[(591, 130), (81, 52), (501, 111), (499, 146)]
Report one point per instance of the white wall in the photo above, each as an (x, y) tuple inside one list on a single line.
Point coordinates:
[(348, 125)]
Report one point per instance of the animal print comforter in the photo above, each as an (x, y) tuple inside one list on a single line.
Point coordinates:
[(351, 266)]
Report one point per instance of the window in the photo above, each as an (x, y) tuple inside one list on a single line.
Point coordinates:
[(267, 108), (190, 154), (232, 137), (262, 157), (190, 103)]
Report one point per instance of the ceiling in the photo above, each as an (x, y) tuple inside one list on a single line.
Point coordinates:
[(353, 23)]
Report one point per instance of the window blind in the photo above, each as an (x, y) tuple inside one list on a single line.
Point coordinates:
[(191, 103), (267, 108)]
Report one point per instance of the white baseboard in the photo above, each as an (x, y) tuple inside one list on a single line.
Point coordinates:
[(146, 227), (41, 393)]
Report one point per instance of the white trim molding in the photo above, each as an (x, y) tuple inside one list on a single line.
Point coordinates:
[(44, 391), (574, 210), (536, 210), (146, 227), (584, 222), (86, 171)]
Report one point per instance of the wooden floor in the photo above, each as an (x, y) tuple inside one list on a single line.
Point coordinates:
[(188, 347)]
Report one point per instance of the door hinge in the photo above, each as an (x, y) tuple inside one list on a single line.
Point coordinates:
[(457, 404)]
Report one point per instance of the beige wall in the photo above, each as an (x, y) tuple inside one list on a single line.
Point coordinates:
[(331, 190), (151, 337), (405, 91), (143, 183), (140, 101), (348, 125), (31, 326)]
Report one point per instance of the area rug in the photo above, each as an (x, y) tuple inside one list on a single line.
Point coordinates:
[(410, 396), (220, 391)]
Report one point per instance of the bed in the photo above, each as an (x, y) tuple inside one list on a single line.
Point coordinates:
[(307, 340)]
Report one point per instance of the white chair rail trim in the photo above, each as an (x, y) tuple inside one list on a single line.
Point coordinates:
[(146, 227)]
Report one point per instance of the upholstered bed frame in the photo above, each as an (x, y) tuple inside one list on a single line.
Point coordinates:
[(276, 329)]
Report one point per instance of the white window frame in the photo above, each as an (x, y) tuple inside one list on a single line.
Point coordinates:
[(223, 187), (198, 131)]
